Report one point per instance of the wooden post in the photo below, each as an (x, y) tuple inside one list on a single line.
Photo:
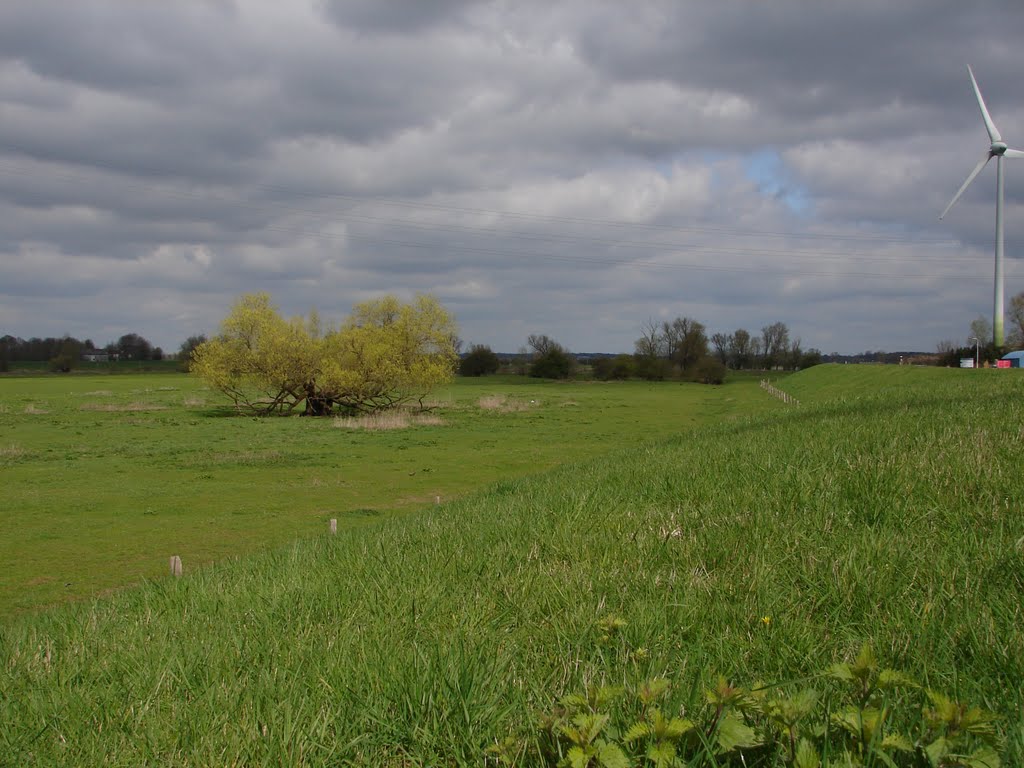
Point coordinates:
[(176, 566), (437, 499), (334, 525)]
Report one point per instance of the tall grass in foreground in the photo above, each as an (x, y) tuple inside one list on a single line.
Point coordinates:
[(894, 520)]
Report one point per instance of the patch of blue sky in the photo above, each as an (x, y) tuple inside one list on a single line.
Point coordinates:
[(766, 169)]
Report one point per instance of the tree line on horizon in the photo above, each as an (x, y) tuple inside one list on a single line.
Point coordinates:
[(679, 349), (64, 353)]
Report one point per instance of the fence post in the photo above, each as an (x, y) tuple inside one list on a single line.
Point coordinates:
[(175, 566), (334, 525)]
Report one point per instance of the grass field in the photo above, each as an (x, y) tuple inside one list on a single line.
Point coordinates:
[(762, 548), (105, 477)]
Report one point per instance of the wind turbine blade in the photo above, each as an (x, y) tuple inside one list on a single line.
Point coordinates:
[(993, 133), (966, 184), (1013, 153)]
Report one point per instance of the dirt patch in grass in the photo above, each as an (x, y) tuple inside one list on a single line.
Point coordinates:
[(389, 420), (122, 407), (193, 402), (99, 393), (34, 409)]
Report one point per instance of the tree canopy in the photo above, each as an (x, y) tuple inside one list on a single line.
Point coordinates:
[(479, 361), (385, 354)]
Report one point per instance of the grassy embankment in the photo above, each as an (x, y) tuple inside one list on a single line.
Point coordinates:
[(105, 477), (763, 549)]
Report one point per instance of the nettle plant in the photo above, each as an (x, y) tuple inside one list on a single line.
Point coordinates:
[(865, 716)]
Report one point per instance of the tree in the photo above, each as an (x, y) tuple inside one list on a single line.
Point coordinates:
[(550, 360), (741, 350), (541, 344), (188, 346), (774, 344), (620, 367), (709, 370), (981, 329), (685, 341), (68, 356), (722, 342), (386, 354), (647, 360), (810, 358), (479, 361), (650, 343), (132, 346)]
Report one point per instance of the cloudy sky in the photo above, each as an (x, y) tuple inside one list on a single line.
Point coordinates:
[(568, 168)]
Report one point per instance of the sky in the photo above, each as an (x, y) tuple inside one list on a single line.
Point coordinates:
[(575, 169)]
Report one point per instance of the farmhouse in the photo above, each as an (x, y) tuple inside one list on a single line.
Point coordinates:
[(1016, 359), (96, 356)]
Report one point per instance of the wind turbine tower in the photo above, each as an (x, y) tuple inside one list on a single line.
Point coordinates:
[(998, 150)]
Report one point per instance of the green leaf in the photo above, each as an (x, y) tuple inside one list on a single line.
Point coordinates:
[(676, 728), (943, 711), (848, 719), (937, 750), (841, 672), (979, 722), (887, 761), (589, 725), (574, 702), (652, 690), (985, 757), (611, 756), (735, 734), (662, 754), (577, 758), (891, 678), (872, 720), (806, 756), (637, 731), (866, 664), (600, 697), (898, 742)]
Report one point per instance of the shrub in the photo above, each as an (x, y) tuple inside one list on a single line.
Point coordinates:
[(708, 370), (553, 364), (479, 361), (619, 367)]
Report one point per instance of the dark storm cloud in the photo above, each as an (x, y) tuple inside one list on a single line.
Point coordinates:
[(396, 16)]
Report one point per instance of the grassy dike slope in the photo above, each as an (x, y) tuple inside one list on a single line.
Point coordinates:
[(892, 517)]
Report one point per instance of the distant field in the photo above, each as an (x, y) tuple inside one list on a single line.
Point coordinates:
[(105, 477), (764, 548)]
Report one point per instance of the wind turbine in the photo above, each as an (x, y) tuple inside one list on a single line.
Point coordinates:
[(998, 150)]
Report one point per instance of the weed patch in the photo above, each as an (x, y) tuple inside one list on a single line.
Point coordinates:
[(387, 420), (504, 404)]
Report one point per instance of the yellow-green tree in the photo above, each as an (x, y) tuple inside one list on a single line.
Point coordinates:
[(387, 353)]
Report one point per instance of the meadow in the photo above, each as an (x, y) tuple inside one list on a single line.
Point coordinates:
[(106, 477), (498, 627)]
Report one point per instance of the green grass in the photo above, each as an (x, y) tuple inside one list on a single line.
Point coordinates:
[(891, 517), (106, 477)]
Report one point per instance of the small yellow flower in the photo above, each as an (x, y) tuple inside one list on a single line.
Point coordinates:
[(766, 620)]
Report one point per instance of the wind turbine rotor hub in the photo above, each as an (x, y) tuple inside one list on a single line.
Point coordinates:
[(998, 148)]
